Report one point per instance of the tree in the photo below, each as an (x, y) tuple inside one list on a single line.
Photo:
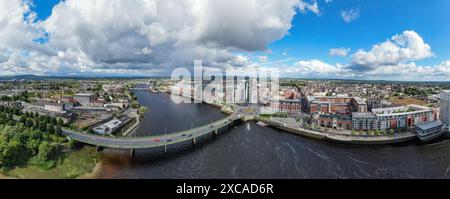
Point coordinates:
[(46, 150), (33, 146), (53, 121), (9, 153), (29, 122), (60, 122), (134, 105), (49, 129), (392, 131), (23, 119), (58, 130), (72, 143)]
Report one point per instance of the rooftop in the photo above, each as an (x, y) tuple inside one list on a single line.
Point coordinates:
[(429, 125)]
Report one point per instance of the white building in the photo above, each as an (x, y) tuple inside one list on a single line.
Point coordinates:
[(54, 107), (108, 127), (403, 116), (444, 104)]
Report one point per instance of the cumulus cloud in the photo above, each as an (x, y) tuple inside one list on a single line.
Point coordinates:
[(312, 6), (393, 59), (406, 47), (339, 52), (315, 69), (411, 71), (350, 15), (149, 35)]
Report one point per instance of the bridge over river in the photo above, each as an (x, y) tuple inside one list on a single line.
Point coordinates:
[(151, 141)]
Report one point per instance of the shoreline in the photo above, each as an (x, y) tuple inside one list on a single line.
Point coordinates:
[(95, 171), (6, 177), (92, 175), (349, 140), (78, 164)]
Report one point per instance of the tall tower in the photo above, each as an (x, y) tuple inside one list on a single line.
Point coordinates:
[(444, 103)]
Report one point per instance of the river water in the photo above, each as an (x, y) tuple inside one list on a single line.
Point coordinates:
[(251, 151)]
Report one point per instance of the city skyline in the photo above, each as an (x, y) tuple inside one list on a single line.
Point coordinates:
[(317, 39)]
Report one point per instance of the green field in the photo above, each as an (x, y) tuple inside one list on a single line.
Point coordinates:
[(72, 165)]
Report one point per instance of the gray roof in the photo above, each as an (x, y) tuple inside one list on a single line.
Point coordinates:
[(429, 125)]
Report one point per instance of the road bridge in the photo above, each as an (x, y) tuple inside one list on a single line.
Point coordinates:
[(152, 141)]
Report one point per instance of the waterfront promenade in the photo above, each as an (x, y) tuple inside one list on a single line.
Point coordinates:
[(341, 137)]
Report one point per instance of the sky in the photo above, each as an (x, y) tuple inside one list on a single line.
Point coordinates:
[(339, 39)]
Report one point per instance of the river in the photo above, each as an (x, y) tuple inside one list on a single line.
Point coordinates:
[(251, 151)]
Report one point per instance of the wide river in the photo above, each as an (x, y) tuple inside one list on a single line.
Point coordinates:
[(251, 151)]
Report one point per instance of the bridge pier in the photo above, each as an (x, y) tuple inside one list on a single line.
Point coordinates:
[(216, 132), (99, 148), (132, 153), (194, 141)]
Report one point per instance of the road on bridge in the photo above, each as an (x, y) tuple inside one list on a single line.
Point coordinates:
[(150, 141)]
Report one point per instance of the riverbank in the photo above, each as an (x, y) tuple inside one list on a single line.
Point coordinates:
[(95, 172), (341, 138), (82, 162)]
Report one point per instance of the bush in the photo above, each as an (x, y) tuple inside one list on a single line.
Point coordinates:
[(46, 150)]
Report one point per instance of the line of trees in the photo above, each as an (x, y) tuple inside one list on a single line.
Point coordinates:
[(23, 96), (34, 137)]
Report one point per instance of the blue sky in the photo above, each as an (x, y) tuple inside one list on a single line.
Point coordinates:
[(125, 37), (312, 35)]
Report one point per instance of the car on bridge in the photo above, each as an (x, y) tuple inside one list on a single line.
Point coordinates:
[(156, 140)]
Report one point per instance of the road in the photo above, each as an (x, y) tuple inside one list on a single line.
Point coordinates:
[(150, 141)]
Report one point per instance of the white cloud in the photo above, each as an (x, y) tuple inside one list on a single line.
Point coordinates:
[(240, 60), (142, 35), (340, 52), (311, 6), (263, 59), (406, 47), (350, 15), (314, 69)]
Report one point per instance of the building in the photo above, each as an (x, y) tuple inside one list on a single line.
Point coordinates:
[(403, 116), (373, 104), (83, 98), (429, 131), (334, 105), (286, 106), (118, 106), (90, 110), (112, 88), (335, 121), (444, 104), (364, 121), (54, 107), (108, 127)]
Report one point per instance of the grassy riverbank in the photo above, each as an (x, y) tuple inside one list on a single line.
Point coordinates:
[(70, 165)]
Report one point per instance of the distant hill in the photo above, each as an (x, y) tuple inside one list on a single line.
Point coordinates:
[(35, 77)]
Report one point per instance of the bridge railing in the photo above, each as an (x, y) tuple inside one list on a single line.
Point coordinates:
[(149, 141)]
